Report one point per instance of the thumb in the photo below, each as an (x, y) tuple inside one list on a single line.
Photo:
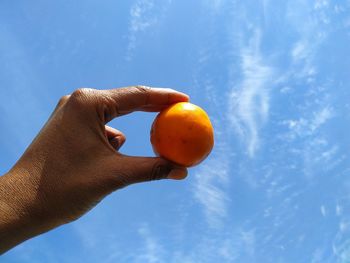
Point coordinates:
[(143, 169)]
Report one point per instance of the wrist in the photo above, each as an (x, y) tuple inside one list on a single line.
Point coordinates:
[(18, 220)]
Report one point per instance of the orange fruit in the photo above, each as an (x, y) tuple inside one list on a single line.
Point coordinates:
[(183, 134)]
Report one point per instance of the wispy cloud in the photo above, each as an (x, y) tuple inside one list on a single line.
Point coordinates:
[(309, 125), (249, 103), (140, 20), (224, 246), (318, 255), (338, 210), (210, 191), (152, 251), (321, 118), (309, 20), (341, 244), (88, 239), (323, 210), (212, 177), (215, 5), (144, 15)]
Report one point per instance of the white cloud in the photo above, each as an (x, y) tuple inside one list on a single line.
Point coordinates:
[(152, 251), (341, 243), (308, 126), (285, 89), (319, 4), (139, 20), (311, 31), (302, 54), (212, 176), (329, 153), (249, 102), (323, 210), (227, 251), (344, 226), (214, 7), (317, 256), (319, 157), (144, 16), (300, 51), (338, 210), (87, 238), (209, 189), (321, 118), (223, 245), (248, 239)]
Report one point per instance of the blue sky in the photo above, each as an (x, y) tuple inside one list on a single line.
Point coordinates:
[(272, 75)]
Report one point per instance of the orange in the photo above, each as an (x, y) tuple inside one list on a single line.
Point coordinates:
[(183, 134)]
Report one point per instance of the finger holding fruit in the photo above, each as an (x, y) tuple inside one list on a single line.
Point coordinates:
[(74, 162)]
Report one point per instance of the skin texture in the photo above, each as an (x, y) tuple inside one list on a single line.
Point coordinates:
[(74, 162)]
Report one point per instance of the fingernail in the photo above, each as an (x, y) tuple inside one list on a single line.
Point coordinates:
[(177, 174)]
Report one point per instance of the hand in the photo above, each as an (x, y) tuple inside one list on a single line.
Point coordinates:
[(74, 162)]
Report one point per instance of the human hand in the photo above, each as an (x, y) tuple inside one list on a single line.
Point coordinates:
[(74, 161)]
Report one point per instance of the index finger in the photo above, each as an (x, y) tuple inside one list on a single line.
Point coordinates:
[(142, 98)]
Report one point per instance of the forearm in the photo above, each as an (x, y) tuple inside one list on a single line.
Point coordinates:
[(17, 220)]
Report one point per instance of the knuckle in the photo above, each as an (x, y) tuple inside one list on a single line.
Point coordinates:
[(159, 171), (63, 100), (82, 92), (107, 100), (142, 89), (82, 96)]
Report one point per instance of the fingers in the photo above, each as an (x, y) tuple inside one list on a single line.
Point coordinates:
[(115, 137), (138, 97), (126, 100), (116, 102), (143, 169)]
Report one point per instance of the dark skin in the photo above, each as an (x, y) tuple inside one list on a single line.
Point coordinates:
[(74, 162)]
